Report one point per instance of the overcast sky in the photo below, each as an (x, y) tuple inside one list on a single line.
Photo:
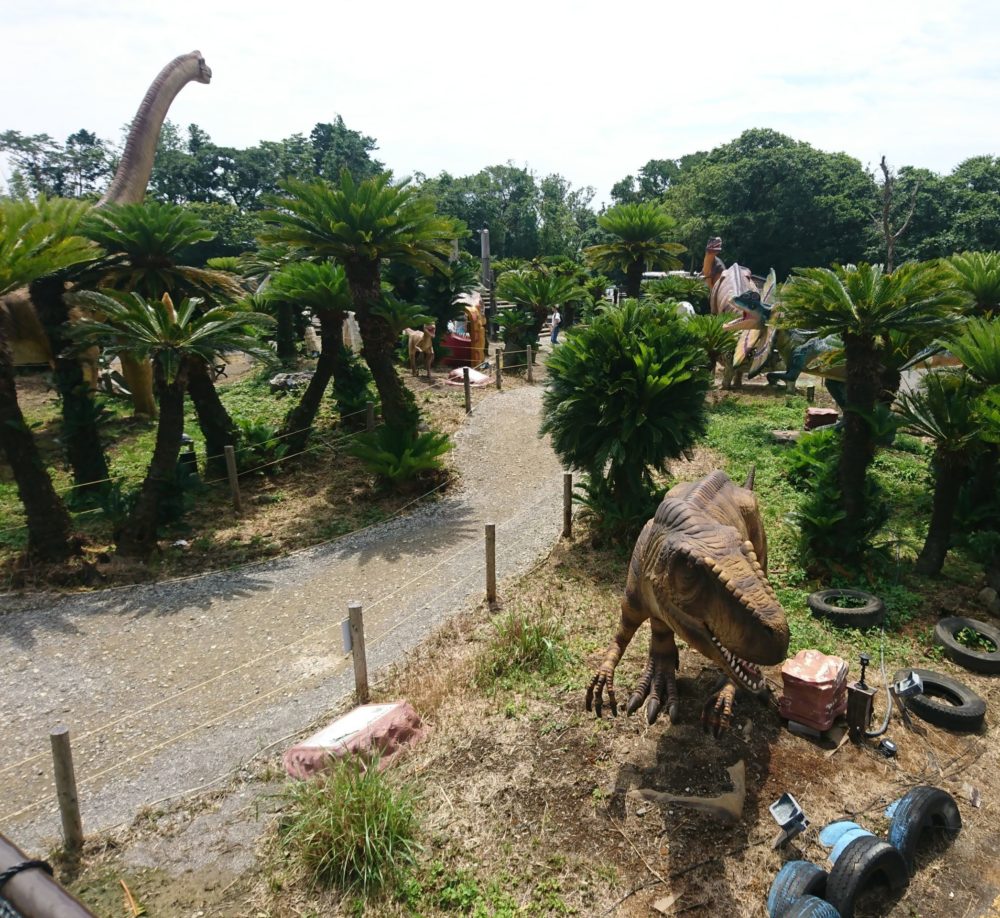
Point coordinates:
[(591, 90)]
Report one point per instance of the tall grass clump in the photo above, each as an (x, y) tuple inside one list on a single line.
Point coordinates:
[(353, 828), (527, 643)]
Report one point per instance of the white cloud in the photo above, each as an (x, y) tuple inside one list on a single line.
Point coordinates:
[(588, 89)]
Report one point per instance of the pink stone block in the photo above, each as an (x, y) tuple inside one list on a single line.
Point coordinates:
[(368, 730)]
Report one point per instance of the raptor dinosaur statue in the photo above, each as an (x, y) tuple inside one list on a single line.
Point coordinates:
[(725, 284), (29, 342), (801, 351), (698, 571)]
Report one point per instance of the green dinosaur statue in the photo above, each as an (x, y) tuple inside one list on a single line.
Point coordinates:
[(801, 351), (698, 570)]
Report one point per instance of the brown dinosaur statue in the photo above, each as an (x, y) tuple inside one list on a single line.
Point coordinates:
[(699, 571), (29, 342), (724, 285)]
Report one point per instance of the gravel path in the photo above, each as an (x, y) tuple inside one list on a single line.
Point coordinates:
[(165, 687)]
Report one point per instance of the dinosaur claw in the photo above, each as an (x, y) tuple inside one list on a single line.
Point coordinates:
[(672, 713), (634, 703), (652, 710)]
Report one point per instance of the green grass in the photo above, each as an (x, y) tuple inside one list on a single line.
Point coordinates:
[(523, 645), (352, 828)]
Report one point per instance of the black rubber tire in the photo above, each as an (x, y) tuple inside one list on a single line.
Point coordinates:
[(824, 604), (964, 715), (811, 907), (978, 661), (861, 862), (923, 810), (794, 880)]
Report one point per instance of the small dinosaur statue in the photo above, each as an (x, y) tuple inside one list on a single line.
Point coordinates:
[(725, 284), (699, 571), (800, 350)]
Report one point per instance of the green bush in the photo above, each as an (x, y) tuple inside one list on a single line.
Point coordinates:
[(258, 444), (352, 828), (811, 456), (626, 394), (522, 643), (399, 457), (352, 389), (712, 335), (674, 287), (518, 331)]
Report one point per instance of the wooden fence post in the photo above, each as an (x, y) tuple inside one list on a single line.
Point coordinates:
[(491, 563), (531, 378), (69, 803), (499, 367), (234, 481), (567, 505), (369, 416), (468, 390), (358, 649), (810, 393)]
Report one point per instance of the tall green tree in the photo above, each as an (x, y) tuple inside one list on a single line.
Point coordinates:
[(641, 242), (360, 224), (539, 292), (978, 274), (175, 340), (36, 239), (864, 305)]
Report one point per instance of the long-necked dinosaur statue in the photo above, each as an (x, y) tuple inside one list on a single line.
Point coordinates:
[(699, 571), (725, 284), (29, 342)]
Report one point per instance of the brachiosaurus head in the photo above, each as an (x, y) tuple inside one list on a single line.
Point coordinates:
[(720, 600), (204, 74)]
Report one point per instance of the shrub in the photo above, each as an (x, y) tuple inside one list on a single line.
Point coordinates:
[(258, 444), (352, 828), (522, 643), (675, 287), (352, 389), (810, 456), (713, 337), (625, 395), (398, 457), (518, 332)]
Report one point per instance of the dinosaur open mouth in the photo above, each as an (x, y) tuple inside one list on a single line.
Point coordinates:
[(748, 675)]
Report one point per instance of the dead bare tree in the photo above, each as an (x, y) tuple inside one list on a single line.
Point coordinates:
[(883, 223)]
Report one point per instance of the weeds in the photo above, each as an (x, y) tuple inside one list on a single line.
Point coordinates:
[(522, 644), (352, 828)]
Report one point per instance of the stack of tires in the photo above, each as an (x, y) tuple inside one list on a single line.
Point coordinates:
[(860, 859)]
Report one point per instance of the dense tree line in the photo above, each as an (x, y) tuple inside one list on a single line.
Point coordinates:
[(777, 202)]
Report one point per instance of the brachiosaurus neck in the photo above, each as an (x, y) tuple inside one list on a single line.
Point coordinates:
[(130, 181)]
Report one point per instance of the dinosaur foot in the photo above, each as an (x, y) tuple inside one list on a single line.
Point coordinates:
[(603, 679), (718, 710), (657, 684)]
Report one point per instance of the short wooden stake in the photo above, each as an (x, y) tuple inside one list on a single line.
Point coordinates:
[(369, 416), (531, 378), (499, 356), (69, 803), (567, 505), (234, 482), (810, 393), (491, 563), (358, 649), (468, 390)]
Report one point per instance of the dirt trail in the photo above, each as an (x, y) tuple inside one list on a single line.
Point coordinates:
[(167, 686)]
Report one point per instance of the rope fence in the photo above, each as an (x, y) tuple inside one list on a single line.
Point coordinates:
[(103, 730)]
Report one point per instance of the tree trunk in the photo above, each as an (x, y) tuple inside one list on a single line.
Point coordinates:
[(48, 521), (984, 479), (858, 450), (138, 534), (379, 342), (951, 473), (633, 280), (298, 422), (79, 410), (213, 419), (285, 334)]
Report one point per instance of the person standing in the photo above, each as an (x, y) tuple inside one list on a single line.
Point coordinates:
[(556, 322)]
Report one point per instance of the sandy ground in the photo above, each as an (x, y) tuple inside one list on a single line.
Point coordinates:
[(168, 686)]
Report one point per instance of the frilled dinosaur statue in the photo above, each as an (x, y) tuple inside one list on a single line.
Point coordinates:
[(725, 284), (29, 342), (801, 351), (698, 571)]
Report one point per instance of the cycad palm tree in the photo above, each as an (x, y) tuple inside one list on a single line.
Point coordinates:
[(322, 288), (145, 243), (643, 243), (943, 409), (978, 274), (539, 292), (359, 224), (174, 341), (864, 305), (36, 239)]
